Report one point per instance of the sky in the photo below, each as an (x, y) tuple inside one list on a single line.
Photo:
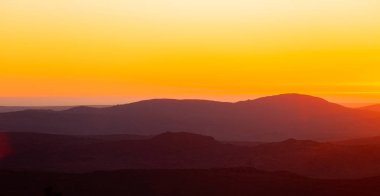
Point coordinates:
[(64, 52)]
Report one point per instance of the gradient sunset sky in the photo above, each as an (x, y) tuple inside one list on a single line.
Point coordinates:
[(64, 52)]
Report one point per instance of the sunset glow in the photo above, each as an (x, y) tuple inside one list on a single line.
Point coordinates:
[(107, 51)]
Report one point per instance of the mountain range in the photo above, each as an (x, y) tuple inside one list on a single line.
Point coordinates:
[(272, 118)]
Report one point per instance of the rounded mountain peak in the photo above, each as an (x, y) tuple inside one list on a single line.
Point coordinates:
[(290, 97)]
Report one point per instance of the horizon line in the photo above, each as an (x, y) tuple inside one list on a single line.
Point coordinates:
[(100, 101)]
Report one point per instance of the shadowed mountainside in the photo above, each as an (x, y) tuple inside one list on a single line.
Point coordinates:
[(266, 119), (44, 152)]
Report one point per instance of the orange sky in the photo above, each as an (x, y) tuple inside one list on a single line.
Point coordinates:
[(108, 51)]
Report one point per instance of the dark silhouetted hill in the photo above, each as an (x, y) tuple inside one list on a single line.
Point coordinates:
[(44, 152), (86, 153)]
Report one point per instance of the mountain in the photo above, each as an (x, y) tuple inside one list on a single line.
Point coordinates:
[(375, 108), (271, 118), (195, 182), (60, 153)]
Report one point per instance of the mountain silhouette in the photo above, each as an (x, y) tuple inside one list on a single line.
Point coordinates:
[(271, 118)]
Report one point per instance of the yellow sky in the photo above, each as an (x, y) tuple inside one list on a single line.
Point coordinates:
[(216, 49)]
